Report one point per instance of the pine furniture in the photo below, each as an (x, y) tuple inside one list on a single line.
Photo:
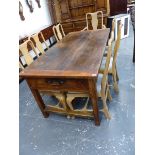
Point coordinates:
[(112, 67), (70, 65), (38, 43), (93, 24), (58, 32), (103, 90), (71, 13), (24, 51)]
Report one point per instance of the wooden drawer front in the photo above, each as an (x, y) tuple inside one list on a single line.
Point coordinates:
[(80, 24), (75, 26), (59, 84), (67, 25)]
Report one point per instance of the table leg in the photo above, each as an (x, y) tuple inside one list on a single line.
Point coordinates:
[(39, 101), (94, 99)]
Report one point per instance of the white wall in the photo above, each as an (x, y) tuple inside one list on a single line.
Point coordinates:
[(35, 21)]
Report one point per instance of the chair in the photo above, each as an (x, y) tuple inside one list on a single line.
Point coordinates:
[(94, 20), (112, 31), (35, 37), (102, 89), (111, 39), (112, 67), (58, 32), (23, 48), (20, 66)]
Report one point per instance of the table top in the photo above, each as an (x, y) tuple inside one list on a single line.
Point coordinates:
[(77, 55)]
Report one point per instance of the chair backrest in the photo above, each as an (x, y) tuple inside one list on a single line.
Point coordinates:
[(105, 75), (23, 48), (116, 47), (39, 46), (95, 20), (111, 39), (58, 32)]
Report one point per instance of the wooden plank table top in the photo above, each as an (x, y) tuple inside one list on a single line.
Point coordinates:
[(70, 65), (79, 54)]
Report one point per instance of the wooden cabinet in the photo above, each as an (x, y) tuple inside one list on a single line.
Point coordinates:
[(72, 13), (118, 7)]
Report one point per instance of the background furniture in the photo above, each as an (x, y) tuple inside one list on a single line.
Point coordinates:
[(72, 13), (24, 51), (78, 70), (124, 19), (47, 34), (113, 67), (38, 43), (96, 18), (118, 7), (58, 32)]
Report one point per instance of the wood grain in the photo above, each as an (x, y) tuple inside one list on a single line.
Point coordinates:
[(71, 13), (78, 54), (71, 65)]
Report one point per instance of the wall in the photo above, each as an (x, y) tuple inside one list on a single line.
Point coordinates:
[(35, 21)]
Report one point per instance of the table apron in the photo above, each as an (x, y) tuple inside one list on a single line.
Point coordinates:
[(53, 84)]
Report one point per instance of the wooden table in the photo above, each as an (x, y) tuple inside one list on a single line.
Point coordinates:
[(70, 65)]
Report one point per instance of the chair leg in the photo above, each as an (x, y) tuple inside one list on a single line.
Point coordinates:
[(109, 95), (69, 100), (106, 113), (117, 77), (85, 106), (62, 100), (115, 83), (105, 109)]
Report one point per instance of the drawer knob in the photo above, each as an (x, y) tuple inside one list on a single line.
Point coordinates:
[(55, 82)]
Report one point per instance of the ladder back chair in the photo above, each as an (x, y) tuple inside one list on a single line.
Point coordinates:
[(58, 32), (94, 20), (112, 68), (102, 89), (23, 48), (39, 46)]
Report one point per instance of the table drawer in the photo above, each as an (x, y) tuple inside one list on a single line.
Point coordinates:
[(59, 84)]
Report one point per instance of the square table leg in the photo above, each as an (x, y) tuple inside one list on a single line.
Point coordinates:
[(94, 99), (39, 101)]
